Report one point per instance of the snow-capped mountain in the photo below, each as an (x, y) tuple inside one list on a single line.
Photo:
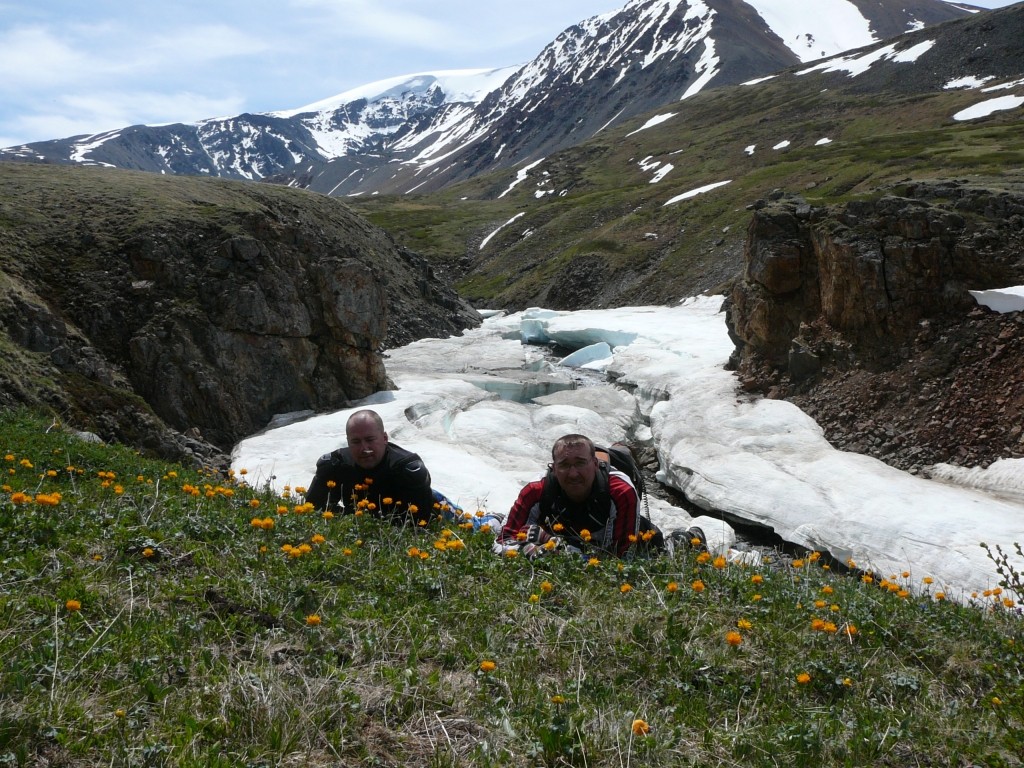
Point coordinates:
[(420, 132)]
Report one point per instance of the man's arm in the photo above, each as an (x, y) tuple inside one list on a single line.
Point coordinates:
[(624, 498), (319, 494), (519, 516)]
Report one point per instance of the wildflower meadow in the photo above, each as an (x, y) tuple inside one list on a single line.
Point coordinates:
[(159, 615)]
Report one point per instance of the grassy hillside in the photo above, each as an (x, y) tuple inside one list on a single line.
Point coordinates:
[(606, 222), (151, 615)]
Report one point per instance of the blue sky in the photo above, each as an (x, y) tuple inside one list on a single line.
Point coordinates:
[(68, 67)]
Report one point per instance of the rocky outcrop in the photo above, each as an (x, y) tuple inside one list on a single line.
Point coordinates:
[(136, 302), (861, 315)]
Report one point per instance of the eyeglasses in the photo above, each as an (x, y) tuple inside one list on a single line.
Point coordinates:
[(567, 466)]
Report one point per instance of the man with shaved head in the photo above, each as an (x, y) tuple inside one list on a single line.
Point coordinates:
[(373, 475)]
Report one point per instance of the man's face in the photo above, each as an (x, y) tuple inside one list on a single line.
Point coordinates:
[(367, 442), (575, 470)]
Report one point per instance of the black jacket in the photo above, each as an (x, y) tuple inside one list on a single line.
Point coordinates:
[(401, 477)]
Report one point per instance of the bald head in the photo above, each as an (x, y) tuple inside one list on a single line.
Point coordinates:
[(366, 438)]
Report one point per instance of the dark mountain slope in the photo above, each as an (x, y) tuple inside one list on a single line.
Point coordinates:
[(135, 302)]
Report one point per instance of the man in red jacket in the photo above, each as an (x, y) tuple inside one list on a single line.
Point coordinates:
[(581, 504)]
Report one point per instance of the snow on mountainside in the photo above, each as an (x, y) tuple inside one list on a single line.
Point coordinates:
[(406, 133)]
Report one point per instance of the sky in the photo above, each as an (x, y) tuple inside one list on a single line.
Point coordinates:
[(70, 68), (760, 460)]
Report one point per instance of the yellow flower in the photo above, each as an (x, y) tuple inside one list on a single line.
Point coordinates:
[(254, 503), (733, 638), (719, 562), (521, 536), (940, 595), (850, 630), (316, 538), (703, 557), (757, 578), (867, 578), (556, 699), (996, 701), (803, 678), (820, 603), (847, 682), (119, 713), (698, 586), (243, 471), (585, 535), (511, 553), (625, 588), (671, 587), (928, 580), (148, 552), (817, 624), (487, 666), (640, 727), (546, 586), (534, 598), (346, 552), (827, 590), (797, 563), (328, 515), (313, 620), (73, 605), (743, 624), (756, 598), (558, 527), (594, 562)]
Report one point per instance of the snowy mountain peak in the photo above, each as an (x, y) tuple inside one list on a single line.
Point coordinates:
[(456, 85), (422, 131)]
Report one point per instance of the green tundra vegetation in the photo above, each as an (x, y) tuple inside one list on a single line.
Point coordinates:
[(157, 615)]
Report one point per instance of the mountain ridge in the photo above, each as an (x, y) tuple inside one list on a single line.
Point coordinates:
[(598, 72)]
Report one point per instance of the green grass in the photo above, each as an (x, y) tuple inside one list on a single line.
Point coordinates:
[(193, 646)]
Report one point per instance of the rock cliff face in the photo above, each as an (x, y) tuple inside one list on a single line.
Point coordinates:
[(133, 301), (861, 315)]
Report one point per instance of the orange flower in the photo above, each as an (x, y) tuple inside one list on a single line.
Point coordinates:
[(487, 666), (313, 620), (698, 586), (803, 678), (640, 727), (73, 605), (671, 587), (733, 638), (625, 588)]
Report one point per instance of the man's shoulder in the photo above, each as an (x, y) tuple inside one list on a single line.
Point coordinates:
[(619, 485), (335, 460), (405, 463)]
